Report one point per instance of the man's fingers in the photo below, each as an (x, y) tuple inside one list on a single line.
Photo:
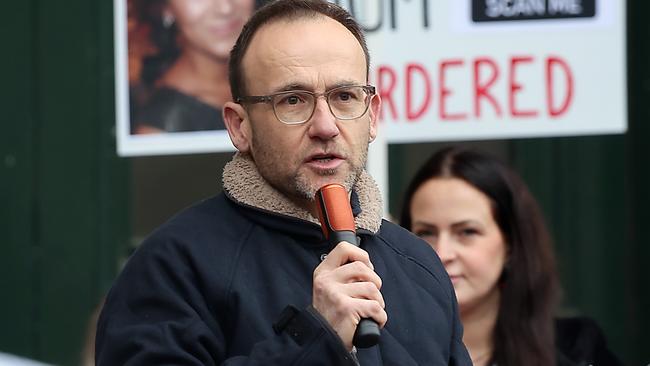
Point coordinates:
[(346, 290), (364, 290), (357, 272), (345, 252), (370, 309)]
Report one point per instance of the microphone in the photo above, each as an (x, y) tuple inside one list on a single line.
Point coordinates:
[(337, 222)]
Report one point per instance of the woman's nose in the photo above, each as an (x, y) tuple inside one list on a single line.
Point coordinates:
[(445, 248), (222, 6)]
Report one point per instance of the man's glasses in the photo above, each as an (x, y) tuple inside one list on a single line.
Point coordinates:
[(297, 106)]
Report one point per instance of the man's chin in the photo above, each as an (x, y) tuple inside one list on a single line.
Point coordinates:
[(332, 179), (308, 185)]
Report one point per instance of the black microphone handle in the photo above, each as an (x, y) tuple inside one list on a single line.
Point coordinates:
[(367, 333), (336, 237)]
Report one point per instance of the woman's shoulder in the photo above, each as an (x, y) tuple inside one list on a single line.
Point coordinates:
[(171, 110), (580, 341)]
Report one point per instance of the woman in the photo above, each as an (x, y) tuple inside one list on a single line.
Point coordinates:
[(488, 231), (186, 78)]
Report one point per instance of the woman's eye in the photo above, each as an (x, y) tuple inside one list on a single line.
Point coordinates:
[(425, 233), (468, 232)]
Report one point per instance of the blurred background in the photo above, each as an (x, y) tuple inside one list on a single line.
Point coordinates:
[(71, 210)]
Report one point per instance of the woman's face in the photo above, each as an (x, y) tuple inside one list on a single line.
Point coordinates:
[(210, 26), (456, 220)]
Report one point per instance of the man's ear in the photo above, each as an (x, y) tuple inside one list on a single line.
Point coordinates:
[(375, 108), (236, 120)]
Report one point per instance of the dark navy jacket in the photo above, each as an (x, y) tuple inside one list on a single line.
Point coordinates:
[(207, 287)]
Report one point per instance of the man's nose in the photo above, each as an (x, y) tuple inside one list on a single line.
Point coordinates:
[(323, 124)]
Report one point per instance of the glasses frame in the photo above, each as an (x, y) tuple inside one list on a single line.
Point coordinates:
[(268, 99)]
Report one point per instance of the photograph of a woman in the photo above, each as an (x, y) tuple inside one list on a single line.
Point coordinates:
[(178, 62)]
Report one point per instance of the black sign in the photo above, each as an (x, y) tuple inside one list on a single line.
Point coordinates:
[(503, 10)]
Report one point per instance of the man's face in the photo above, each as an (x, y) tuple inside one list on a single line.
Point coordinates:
[(314, 55)]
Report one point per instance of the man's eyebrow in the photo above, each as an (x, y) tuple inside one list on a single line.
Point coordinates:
[(290, 87), (300, 86), (345, 83)]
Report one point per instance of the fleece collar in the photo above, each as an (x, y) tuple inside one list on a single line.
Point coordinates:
[(244, 184)]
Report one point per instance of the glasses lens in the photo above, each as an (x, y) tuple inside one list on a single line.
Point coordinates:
[(348, 102), (293, 107)]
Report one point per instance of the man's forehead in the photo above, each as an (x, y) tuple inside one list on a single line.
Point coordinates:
[(284, 33), (316, 42)]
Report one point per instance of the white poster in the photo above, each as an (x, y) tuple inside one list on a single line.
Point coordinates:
[(171, 63), (486, 69), (445, 69)]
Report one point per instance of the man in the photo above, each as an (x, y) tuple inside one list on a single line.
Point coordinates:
[(246, 278)]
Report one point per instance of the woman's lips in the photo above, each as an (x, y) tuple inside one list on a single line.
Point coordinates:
[(455, 278), (226, 28)]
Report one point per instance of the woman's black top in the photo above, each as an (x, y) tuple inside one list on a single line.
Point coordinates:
[(580, 342), (171, 110)]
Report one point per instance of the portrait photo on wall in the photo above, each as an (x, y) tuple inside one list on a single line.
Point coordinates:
[(171, 60)]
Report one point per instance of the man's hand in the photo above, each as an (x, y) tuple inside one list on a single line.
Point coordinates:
[(346, 289)]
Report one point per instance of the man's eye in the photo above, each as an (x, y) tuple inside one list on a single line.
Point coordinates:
[(291, 99), (344, 96)]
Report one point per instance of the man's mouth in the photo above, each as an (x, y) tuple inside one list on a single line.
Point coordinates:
[(325, 161), (324, 158)]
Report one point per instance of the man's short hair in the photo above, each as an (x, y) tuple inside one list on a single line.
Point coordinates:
[(287, 10)]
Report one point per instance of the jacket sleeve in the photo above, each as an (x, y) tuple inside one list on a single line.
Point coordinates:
[(156, 314), (458, 355)]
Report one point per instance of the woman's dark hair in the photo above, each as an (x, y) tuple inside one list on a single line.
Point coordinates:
[(163, 37), (287, 10), (523, 333)]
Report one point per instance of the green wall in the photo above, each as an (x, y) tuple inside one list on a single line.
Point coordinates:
[(63, 192), (66, 199)]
